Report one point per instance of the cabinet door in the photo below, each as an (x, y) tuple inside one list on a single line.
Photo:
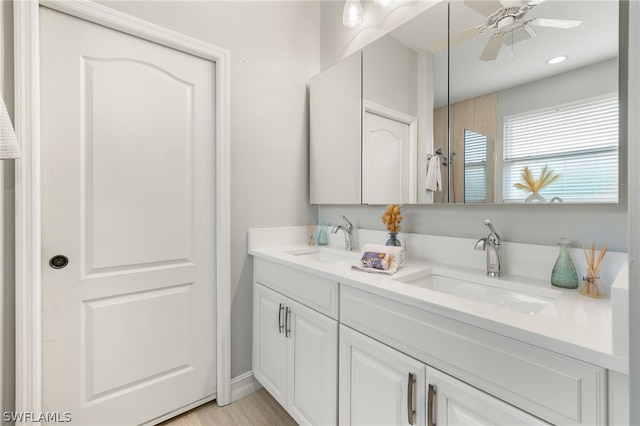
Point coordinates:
[(375, 386), (269, 342), (456, 403), (312, 386)]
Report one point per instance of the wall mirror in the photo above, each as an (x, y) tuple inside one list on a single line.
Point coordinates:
[(469, 82), (539, 118)]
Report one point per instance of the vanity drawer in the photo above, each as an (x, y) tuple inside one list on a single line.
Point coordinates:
[(556, 388), (315, 292)]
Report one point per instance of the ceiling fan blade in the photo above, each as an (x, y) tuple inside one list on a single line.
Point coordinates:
[(523, 32), (555, 23), (453, 40), (513, 3), (483, 7), (491, 50), (463, 36)]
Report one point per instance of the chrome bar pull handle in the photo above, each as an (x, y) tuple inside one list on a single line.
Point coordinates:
[(280, 322), (430, 396), (411, 412), (287, 330)]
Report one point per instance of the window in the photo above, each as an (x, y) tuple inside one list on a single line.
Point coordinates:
[(578, 142), (475, 167)]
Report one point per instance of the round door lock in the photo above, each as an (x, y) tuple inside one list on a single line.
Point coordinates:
[(58, 261)]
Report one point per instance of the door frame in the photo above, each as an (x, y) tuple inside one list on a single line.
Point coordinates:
[(28, 209)]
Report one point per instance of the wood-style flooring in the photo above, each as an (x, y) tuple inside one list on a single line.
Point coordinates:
[(258, 408)]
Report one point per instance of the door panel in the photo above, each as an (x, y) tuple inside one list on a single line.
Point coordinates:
[(128, 144), (374, 383), (457, 403), (313, 353), (124, 348), (161, 144), (386, 160), (269, 343)]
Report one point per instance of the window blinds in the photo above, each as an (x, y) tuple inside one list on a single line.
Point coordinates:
[(578, 142), (475, 167)]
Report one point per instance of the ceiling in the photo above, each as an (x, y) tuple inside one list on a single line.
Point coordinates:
[(595, 40)]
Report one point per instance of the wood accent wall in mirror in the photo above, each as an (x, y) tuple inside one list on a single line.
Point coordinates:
[(555, 120), (472, 84)]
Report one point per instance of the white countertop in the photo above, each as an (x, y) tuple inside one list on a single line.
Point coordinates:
[(571, 324)]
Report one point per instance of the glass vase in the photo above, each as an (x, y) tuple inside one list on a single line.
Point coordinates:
[(564, 272), (393, 240)]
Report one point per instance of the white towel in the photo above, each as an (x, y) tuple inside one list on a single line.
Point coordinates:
[(434, 177), (394, 257)]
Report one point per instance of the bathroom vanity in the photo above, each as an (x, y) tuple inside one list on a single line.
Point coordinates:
[(337, 345)]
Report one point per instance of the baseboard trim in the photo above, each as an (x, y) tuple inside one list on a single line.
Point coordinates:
[(243, 385)]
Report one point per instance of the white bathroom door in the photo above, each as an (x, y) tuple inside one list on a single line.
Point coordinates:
[(128, 274), (387, 168)]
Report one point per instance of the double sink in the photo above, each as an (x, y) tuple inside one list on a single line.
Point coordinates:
[(505, 293)]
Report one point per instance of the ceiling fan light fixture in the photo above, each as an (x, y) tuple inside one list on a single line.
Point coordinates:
[(352, 13), (557, 59)]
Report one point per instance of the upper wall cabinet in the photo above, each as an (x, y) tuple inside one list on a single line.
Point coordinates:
[(335, 150), (376, 152)]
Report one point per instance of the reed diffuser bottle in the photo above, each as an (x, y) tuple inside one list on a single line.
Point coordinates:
[(564, 272)]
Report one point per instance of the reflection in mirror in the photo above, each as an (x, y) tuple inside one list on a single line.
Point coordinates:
[(404, 83), (551, 129), (478, 177)]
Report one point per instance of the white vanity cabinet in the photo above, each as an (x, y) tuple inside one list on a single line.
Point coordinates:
[(478, 377), (381, 385), (295, 348)]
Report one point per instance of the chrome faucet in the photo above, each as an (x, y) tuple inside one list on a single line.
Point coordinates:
[(493, 246), (348, 233)]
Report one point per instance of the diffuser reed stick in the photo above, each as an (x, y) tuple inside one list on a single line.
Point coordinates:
[(591, 285)]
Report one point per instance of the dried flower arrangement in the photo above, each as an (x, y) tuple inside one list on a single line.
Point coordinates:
[(392, 217), (535, 185), (591, 285)]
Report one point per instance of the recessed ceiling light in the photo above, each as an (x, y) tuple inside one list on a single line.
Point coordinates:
[(556, 60)]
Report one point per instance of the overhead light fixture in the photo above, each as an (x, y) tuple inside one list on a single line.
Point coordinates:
[(9, 148), (556, 60), (352, 13)]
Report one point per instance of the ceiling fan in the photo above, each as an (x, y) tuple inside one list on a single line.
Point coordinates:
[(508, 20)]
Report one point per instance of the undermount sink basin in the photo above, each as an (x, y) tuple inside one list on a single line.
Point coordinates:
[(322, 255), (505, 294)]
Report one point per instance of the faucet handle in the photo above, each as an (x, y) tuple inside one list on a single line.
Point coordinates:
[(494, 235), (349, 224)]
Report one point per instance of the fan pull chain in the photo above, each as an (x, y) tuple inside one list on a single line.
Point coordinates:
[(512, 55)]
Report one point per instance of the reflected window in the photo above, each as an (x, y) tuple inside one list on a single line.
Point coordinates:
[(475, 167), (578, 142)]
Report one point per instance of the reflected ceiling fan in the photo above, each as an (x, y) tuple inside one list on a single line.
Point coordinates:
[(508, 20)]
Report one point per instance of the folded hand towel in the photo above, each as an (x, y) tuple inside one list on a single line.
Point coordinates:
[(381, 259), (434, 177)]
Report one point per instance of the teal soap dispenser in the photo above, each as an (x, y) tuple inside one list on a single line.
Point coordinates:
[(564, 272)]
